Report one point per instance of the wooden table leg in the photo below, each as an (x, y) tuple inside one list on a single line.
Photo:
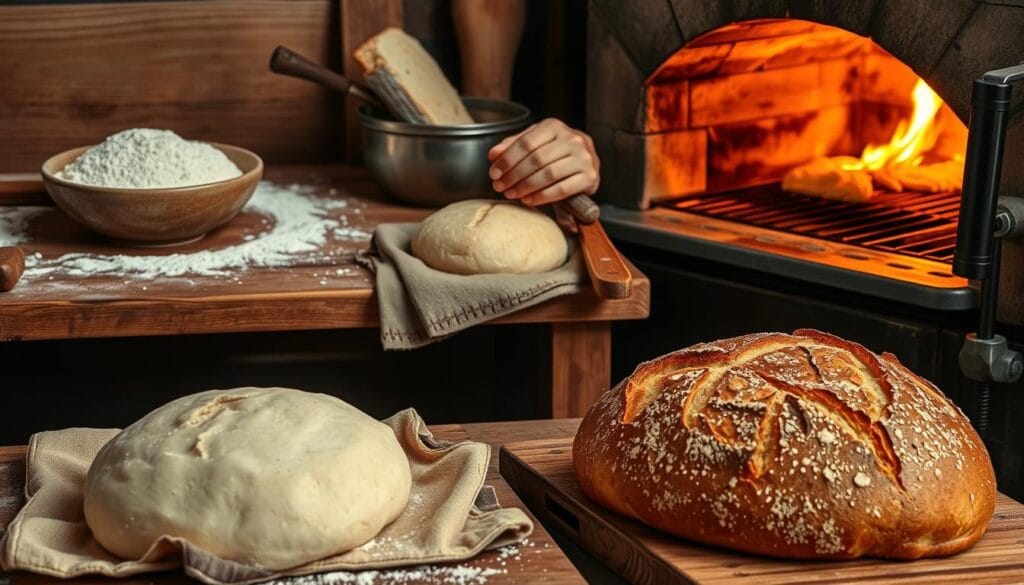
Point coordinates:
[(581, 366)]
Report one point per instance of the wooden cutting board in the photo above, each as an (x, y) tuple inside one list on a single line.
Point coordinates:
[(541, 473)]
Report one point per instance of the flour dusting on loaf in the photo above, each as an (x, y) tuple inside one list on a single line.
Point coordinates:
[(803, 445)]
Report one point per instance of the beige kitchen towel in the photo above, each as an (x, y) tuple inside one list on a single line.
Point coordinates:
[(419, 305), (451, 515)]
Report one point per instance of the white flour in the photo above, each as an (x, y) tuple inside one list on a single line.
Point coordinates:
[(143, 158), (439, 574), (459, 574), (298, 223)]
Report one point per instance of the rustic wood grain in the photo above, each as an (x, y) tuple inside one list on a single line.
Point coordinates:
[(607, 269), (580, 366), (360, 20), (497, 434), (76, 73), (23, 189), (541, 473), (540, 561)]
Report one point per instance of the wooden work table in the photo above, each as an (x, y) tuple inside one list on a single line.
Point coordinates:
[(322, 290), (538, 560)]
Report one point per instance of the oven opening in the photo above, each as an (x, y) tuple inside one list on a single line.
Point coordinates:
[(805, 130)]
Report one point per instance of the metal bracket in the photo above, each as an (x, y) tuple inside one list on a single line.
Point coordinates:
[(990, 360), (1009, 218)]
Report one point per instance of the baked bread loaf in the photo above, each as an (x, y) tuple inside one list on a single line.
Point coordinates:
[(406, 77), (801, 446)]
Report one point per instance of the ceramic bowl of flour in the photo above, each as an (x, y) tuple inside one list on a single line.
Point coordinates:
[(163, 216)]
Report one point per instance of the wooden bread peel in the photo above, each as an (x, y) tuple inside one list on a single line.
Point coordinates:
[(608, 271)]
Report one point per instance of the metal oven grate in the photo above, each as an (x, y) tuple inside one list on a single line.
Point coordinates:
[(922, 225)]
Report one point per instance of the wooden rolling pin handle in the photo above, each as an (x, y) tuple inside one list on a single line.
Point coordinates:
[(12, 265), (583, 208), (287, 62)]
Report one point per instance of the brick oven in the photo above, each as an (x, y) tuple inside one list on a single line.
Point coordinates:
[(701, 111)]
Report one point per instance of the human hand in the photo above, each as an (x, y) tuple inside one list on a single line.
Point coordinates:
[(545, 163)]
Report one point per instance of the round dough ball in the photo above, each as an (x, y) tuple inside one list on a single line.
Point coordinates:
[(483, 236), (263, 476)]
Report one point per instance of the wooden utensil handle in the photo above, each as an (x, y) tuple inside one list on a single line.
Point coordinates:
[(12, 265), (287, 62), (607, 269), (583, 208)]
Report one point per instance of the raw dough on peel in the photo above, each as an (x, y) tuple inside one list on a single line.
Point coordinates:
[(484, 236), (264, 476), (826, 178)]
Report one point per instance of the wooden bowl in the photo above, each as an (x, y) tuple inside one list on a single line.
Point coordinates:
[(154, 217)]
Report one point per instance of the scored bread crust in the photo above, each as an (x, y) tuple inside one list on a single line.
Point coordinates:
[(800, 446)]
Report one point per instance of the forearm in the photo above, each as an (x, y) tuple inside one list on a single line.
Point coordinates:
[(488, 33)]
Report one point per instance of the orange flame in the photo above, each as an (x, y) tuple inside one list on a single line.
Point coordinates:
[(913, 137)]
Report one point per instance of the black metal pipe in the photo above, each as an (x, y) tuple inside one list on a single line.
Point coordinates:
[(977, 253), (990, 297), (975, 244), (987, 330)]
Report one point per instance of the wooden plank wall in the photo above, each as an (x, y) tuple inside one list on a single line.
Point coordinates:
[(75, 73), (360, 20)]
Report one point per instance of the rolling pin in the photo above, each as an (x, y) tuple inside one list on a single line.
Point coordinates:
[(12, 265)]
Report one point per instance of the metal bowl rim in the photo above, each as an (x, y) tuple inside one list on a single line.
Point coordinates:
[(519, 113)]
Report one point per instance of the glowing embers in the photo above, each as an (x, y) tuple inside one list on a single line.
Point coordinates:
[(904, 163)]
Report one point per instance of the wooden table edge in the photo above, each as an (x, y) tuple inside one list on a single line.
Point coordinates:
[(260, 312)]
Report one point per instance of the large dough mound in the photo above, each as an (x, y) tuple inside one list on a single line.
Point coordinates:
[(483, 236), (270, 477)]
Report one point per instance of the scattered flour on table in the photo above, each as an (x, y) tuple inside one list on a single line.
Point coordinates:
[(455, 575), (299, 224), (143, 158), (9, 501), (459, 574)]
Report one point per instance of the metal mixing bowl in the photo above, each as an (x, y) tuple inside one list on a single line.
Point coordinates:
[(433, 166)]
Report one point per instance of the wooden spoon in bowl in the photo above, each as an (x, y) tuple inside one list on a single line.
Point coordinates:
[(287, 62)]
